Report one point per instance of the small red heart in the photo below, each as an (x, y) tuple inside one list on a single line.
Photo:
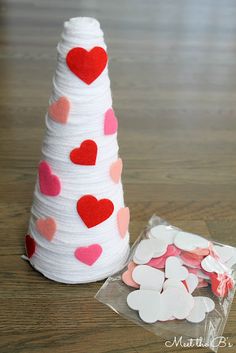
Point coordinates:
[(87, 65), (30, 246), (86, 154), (93, 211)]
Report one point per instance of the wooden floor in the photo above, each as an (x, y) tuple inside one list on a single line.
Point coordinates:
[(173, 73)]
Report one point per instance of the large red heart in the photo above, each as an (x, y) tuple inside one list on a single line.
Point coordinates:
[(87, 65), (30, 246), (86, 154), (93, 211)]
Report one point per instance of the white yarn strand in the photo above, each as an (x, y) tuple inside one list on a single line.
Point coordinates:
[(88, 104)]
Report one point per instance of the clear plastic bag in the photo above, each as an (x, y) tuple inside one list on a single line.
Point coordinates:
[(207, 333)]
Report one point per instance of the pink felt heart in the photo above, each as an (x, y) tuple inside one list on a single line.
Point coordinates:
[(189, 261), (59, 110), (88, 255), (123, 217), (127, 276), (200, 251), (159, 262), (46, 227), (110, 122), (49, 183), (116, 170)]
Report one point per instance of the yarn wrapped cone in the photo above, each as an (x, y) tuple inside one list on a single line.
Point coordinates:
[(78, 230)]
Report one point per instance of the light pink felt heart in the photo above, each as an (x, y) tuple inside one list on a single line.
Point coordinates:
[(116, 170), (127, 276), (200, 251), (88, 255), (59, 110), (189, 261), (123, 217), (46, 227), (110, 122), (49, 183), (159, 262)]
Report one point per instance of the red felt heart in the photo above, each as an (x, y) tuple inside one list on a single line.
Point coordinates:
[(86, 154), (93, 211), (30, 246), (87, 65)]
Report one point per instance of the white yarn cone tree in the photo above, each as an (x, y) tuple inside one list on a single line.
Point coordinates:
[(78, 230)]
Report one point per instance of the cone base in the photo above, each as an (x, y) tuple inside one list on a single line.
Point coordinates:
[(122, 264)]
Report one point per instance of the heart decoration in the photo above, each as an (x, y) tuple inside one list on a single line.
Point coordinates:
[(93, 211), (174, 283), (30, 246), (59, 110), (148, 304), (221, 284), (163, 232), (210, 264), (189, 242), (48, 182), (191, 282), (147, 249), (127, 276), (202, 305), (87, 65), (187, 262), (116, 170), (46, 227), (175, 270), (123, 217), (110, 122), (86, 154), (160, 262), (179, 308), (148, 277), (190, 262), (88, 255)]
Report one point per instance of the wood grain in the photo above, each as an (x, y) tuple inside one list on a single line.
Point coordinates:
[(172, 69)]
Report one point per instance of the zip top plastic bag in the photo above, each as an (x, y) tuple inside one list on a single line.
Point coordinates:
[(175, 284)]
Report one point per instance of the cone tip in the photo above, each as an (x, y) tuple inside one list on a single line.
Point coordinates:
[(83, 23)]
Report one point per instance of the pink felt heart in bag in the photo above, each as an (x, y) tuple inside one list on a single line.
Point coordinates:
[(59, 110), (127, 276), (116, 170), (46, 227), (48, 182), (123, 217), (110, 122), (88, 255), (159, 262)]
